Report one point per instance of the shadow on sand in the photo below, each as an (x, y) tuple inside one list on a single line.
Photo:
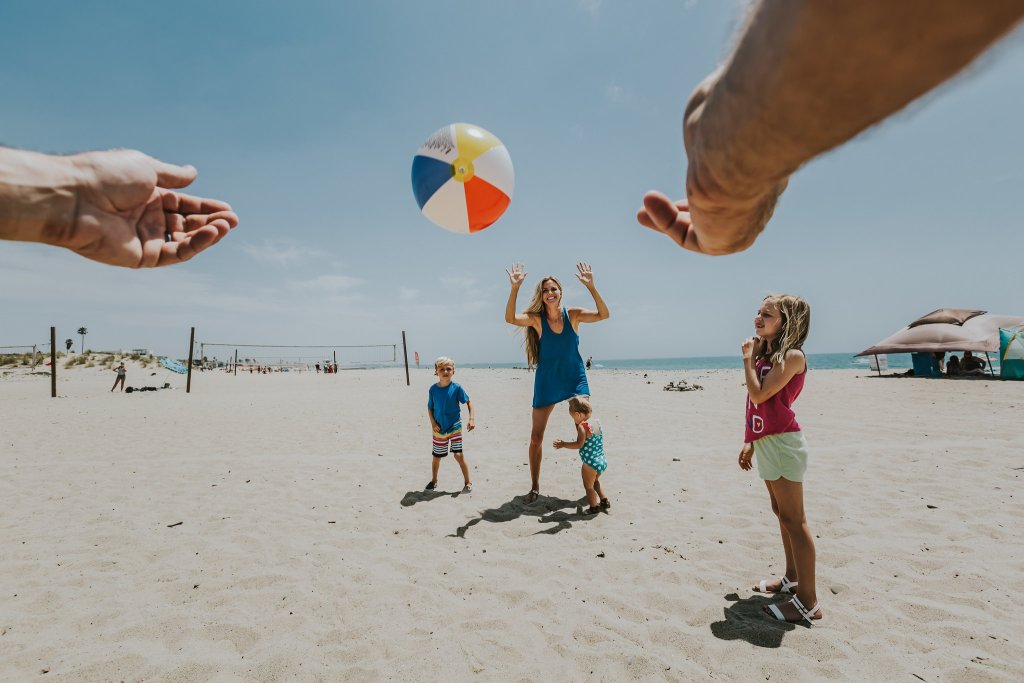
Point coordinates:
[(425, 496), (746, 620), (546, 509)]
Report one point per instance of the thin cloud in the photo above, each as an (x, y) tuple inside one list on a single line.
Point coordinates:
[(614, 92), (281, 253), (591, 7), (326, 284)]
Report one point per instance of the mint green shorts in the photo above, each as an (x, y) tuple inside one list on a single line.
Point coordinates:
[(781, 455)]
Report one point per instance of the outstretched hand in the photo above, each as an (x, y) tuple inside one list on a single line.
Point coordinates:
[(585, 274), (128, 214), (517, 274)]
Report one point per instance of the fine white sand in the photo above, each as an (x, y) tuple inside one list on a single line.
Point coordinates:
[(305, 547)]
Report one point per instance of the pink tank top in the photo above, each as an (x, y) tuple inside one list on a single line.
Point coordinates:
[(774, 416)]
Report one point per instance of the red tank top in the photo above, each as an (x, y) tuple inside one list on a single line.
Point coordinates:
[(774, 416)]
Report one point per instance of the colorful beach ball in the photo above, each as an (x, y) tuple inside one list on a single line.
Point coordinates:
[(462, 178)]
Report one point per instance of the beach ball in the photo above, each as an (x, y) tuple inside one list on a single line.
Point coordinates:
[(462, 178)]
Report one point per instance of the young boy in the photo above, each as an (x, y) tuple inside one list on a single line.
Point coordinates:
[(445, 413)]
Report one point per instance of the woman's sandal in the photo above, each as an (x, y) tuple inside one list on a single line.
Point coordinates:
[(788, 587), (805, 614), (592, 510)]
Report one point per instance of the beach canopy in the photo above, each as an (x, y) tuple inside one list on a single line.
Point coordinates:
[(948, 329)]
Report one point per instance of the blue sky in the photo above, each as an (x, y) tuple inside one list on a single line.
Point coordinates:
[(306, 116)]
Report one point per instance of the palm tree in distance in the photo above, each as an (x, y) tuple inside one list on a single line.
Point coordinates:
[(68, 343), (82, 331)]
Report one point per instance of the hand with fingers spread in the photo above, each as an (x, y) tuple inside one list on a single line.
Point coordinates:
[(118, 207), (585, 274), (517, 275)]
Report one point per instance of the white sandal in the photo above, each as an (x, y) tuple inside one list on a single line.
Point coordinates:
[(806, 614), (788, 587)]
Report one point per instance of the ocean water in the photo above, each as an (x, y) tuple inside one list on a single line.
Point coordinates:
[(816, 361)]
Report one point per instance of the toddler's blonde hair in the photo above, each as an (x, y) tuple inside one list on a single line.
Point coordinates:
[(442, 361), (580, 404)]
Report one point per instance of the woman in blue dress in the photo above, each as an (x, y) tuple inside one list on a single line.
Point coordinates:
[(553, 347)]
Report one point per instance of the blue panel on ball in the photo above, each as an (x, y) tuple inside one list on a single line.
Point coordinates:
[(428, 175)]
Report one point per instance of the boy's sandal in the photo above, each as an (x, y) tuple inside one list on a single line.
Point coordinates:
[(431, 485), (532, 496), (805, 614), (605, 504), (788, 587), (592, 510)]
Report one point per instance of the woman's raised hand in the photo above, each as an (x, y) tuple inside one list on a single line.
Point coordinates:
[(585, 274), (517, 274)]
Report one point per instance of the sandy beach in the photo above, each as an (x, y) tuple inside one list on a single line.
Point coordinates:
[(275, 527)]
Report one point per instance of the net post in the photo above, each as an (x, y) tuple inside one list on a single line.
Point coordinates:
[(191, 345), (53, 362), (335, 368), (34, 358), (405, 353), (236, 362)]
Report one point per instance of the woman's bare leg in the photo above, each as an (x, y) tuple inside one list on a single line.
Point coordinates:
[(540, 423)]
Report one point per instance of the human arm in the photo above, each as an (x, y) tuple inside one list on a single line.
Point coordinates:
[(746, 456), (471, 423), (433, 423), (117, 207), (762, 390), (581, 436), (585, 274), (803, 78), (516, 276)]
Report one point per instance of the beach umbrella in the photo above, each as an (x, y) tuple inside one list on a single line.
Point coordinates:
[(947, 329)]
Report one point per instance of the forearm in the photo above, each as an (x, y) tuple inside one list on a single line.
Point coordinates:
[(806, 76), (602, 307), (752, 380), (37, 195), (510, 307)]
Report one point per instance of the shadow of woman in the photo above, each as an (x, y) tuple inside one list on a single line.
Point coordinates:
[(413, 497), (547, 509), (746, 620)]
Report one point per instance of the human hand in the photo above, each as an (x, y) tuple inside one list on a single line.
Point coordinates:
[(746, 456), (724, 211), (748, 347), (127, 214), (471, 425), (585, 274), (517, 275), (558, 443)]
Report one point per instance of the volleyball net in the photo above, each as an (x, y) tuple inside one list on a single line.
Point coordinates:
[(296, 357), (20, 354)]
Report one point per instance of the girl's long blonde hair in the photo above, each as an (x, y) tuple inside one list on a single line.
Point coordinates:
[(532, 339), (796, 325)]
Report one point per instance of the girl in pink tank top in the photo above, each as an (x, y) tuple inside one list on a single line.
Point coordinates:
[(774, 367)]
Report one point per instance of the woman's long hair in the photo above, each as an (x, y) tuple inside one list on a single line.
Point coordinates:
[(532, 339), (796, 325)]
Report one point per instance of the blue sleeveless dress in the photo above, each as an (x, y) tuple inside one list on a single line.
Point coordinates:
[(560, 373)]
